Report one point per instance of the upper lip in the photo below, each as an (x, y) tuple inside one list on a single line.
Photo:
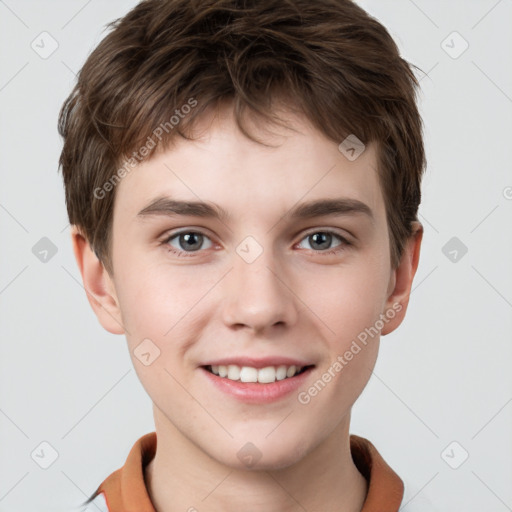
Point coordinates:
[(258, 362)]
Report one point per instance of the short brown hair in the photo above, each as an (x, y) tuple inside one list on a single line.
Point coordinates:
[(333, 62)]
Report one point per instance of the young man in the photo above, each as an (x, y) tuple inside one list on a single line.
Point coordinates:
[(243, 180)]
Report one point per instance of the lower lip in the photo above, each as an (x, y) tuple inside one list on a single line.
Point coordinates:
[(254, 392)]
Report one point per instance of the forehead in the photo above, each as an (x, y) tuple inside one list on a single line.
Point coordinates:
[(243, 177)]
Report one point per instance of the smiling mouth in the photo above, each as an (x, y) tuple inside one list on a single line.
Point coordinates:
[(266, 375)]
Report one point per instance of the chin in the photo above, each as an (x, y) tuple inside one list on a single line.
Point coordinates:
[(263, 455)]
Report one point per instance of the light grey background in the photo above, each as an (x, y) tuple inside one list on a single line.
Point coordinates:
[(444, 376)]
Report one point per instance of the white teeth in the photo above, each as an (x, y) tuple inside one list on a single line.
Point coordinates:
[(265, 375), (233, 372), (291, 371), (281, 372), (248, 374)]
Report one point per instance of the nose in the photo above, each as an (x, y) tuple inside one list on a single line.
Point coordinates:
[(258, 295)]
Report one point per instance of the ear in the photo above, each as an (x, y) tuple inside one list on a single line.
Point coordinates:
[(98, 284), (401, 281)]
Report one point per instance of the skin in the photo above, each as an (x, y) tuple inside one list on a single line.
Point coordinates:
[(293, 300)]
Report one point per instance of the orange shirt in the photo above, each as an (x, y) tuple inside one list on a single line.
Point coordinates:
[(125, 490)]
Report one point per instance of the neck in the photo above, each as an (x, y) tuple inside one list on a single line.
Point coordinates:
[(181, 477)]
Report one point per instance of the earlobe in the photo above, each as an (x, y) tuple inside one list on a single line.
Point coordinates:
[(402, 279), (98, 284)]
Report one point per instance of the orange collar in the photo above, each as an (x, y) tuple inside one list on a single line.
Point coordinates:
[(125, 489)]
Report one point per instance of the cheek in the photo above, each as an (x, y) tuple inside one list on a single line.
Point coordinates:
[(348, 300), (159, 303), (347, 315), (158, 308)]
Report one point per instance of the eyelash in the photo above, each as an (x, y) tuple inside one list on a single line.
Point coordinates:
[(342, 246)]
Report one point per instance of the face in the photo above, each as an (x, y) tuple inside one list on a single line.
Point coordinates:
[(270, 284)]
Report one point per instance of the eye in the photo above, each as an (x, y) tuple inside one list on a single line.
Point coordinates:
[(320, 241), (186, 242)]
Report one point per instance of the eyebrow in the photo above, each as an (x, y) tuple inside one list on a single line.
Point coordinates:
[(170, 207)]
